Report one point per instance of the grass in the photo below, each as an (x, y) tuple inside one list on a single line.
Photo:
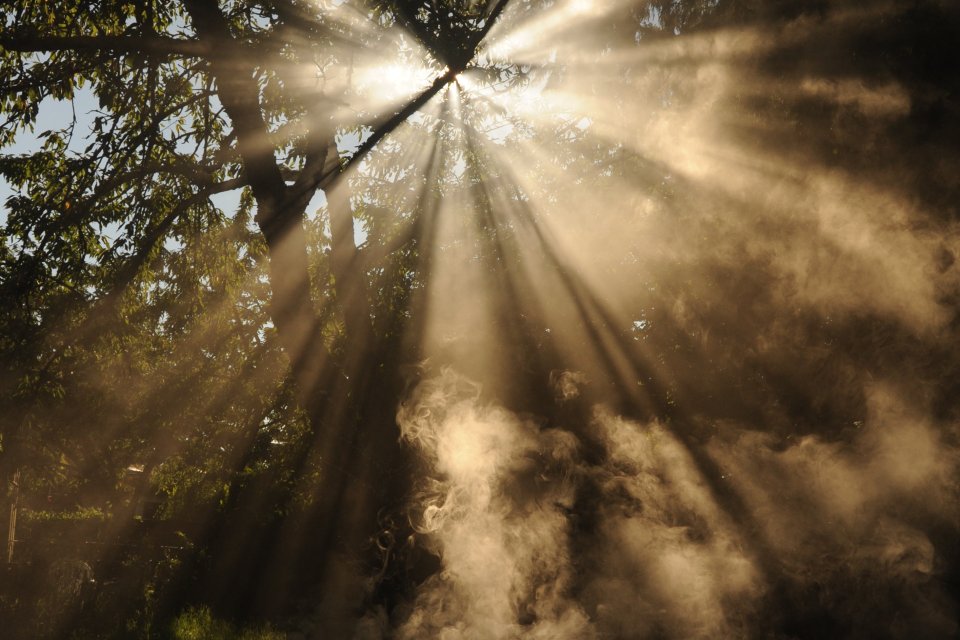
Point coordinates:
[(199, 624)]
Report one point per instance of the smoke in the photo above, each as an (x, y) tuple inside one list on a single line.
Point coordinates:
[(780, 237), (495, 510), (667, 560), (866, 519), (566, 384), (617, 533)]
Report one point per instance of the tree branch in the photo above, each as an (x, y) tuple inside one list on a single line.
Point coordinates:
[(240, 96), (156, 45), (390, 124), (279, 209)]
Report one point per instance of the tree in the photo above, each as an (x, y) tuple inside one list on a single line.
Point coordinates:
[(195, 100)]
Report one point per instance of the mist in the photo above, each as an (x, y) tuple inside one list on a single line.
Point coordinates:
[(750, 427), (615, 320)]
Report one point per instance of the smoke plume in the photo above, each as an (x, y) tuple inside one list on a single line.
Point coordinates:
[(540, 538)]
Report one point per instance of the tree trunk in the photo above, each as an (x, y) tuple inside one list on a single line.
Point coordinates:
[(12, 526)]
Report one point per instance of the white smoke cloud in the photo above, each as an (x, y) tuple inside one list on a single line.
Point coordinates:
[(496, 517), (669, 562), (537, 541), (502, 508), (856, 514)]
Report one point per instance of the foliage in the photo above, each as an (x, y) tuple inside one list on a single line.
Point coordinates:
[(82, 513), (199, 624)]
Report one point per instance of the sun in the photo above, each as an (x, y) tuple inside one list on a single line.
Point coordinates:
[(394, 82)]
